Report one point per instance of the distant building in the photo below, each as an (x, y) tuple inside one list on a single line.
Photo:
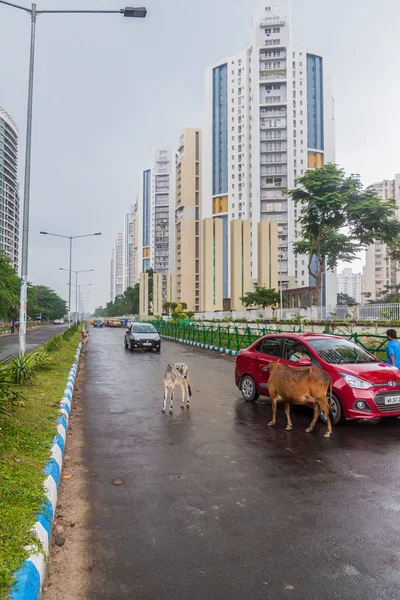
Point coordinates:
[(268, 118), (118, 266), (350, 283), (188, 218), (380, 272), (156, 246), (9, 196), (112, 275), (129, 243)]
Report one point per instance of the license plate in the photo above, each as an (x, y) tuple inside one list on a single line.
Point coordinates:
[(146, 344), (392, 400)]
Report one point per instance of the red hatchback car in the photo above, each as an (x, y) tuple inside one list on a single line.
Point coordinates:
[(363, 386)]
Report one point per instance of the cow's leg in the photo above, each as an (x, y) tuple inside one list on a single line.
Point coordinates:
[(315, 417), (323, 405), (165, 398), (274, 402), (289, 425), (171, 406)]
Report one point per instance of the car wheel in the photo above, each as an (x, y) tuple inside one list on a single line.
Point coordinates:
[(126, 344), (131, 348), (158, 349), (336, 411), (248, 389)]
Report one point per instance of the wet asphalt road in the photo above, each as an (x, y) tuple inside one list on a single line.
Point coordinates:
[(217, 505), (9, 344)]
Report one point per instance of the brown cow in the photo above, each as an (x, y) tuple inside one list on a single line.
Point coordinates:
[(299, 386)]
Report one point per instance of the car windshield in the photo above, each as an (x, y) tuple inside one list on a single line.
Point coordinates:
[(340, 351), (143, 328)]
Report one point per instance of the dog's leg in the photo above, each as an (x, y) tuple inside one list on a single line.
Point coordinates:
[(171, 407), (165, 398), (187, 387), (183, 395)]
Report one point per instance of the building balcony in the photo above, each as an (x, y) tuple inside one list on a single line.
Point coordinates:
[(274, 100), (280, 124), (272, 22), (272, 76), (269, 163)]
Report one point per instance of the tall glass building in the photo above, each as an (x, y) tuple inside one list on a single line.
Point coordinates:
[(9, 197), (268, 118)]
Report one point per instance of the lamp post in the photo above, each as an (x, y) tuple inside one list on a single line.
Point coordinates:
[(128, 11), (70, 238), (76, 285), (81, 296)]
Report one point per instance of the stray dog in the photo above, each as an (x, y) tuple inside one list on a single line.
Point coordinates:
[(176, 375), (84, 339)]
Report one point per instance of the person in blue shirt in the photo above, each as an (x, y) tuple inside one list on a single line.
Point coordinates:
[(393, 349)]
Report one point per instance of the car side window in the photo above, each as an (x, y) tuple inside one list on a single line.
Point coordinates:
[(294, 350), (270, 347)]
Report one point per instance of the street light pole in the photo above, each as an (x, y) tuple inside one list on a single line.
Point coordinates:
[(76, 284), (128, 11), (27, 186), (70, 238)]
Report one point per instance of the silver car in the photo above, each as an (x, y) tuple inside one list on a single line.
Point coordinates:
[(142, 335)]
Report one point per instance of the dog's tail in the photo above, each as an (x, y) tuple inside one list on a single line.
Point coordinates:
[(190, 390)]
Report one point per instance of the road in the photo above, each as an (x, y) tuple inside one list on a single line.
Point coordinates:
[(9, 344), (217, 505)]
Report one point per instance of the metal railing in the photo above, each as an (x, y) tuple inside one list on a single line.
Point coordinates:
[(234, 337)]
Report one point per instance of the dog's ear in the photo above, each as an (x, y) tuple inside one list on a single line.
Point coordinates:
[(169, 366)]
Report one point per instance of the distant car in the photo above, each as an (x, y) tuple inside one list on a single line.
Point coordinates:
[(115, 323), (142, 335), (364, 387), (98, 323), (58, 321)]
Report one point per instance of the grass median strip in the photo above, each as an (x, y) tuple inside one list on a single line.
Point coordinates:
[(25, 443)]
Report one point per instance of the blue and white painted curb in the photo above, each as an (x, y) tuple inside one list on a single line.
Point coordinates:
[(29, 578), (198, 345)]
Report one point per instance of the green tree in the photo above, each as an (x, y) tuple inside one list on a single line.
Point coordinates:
[(9, 289), (345, 300), (338, 217), (100, 312), (151, 291), (45, 302), (190, 314), (261, 297), (167, 307), (174, 306)]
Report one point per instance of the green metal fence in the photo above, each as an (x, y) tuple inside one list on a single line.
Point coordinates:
[(235, 337), (221, 336)]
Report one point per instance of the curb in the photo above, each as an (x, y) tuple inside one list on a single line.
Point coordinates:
[(204, 346), (29, 577)]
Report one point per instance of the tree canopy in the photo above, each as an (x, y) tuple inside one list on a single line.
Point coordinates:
[(345, 300), (9, 289), (44, 302), (262, 296), (127, 304), (338, 217), (41, 299)]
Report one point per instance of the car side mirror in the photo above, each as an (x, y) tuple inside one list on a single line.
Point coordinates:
[(304, 362)]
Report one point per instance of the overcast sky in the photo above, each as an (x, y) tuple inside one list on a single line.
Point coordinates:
[(108, 90)]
